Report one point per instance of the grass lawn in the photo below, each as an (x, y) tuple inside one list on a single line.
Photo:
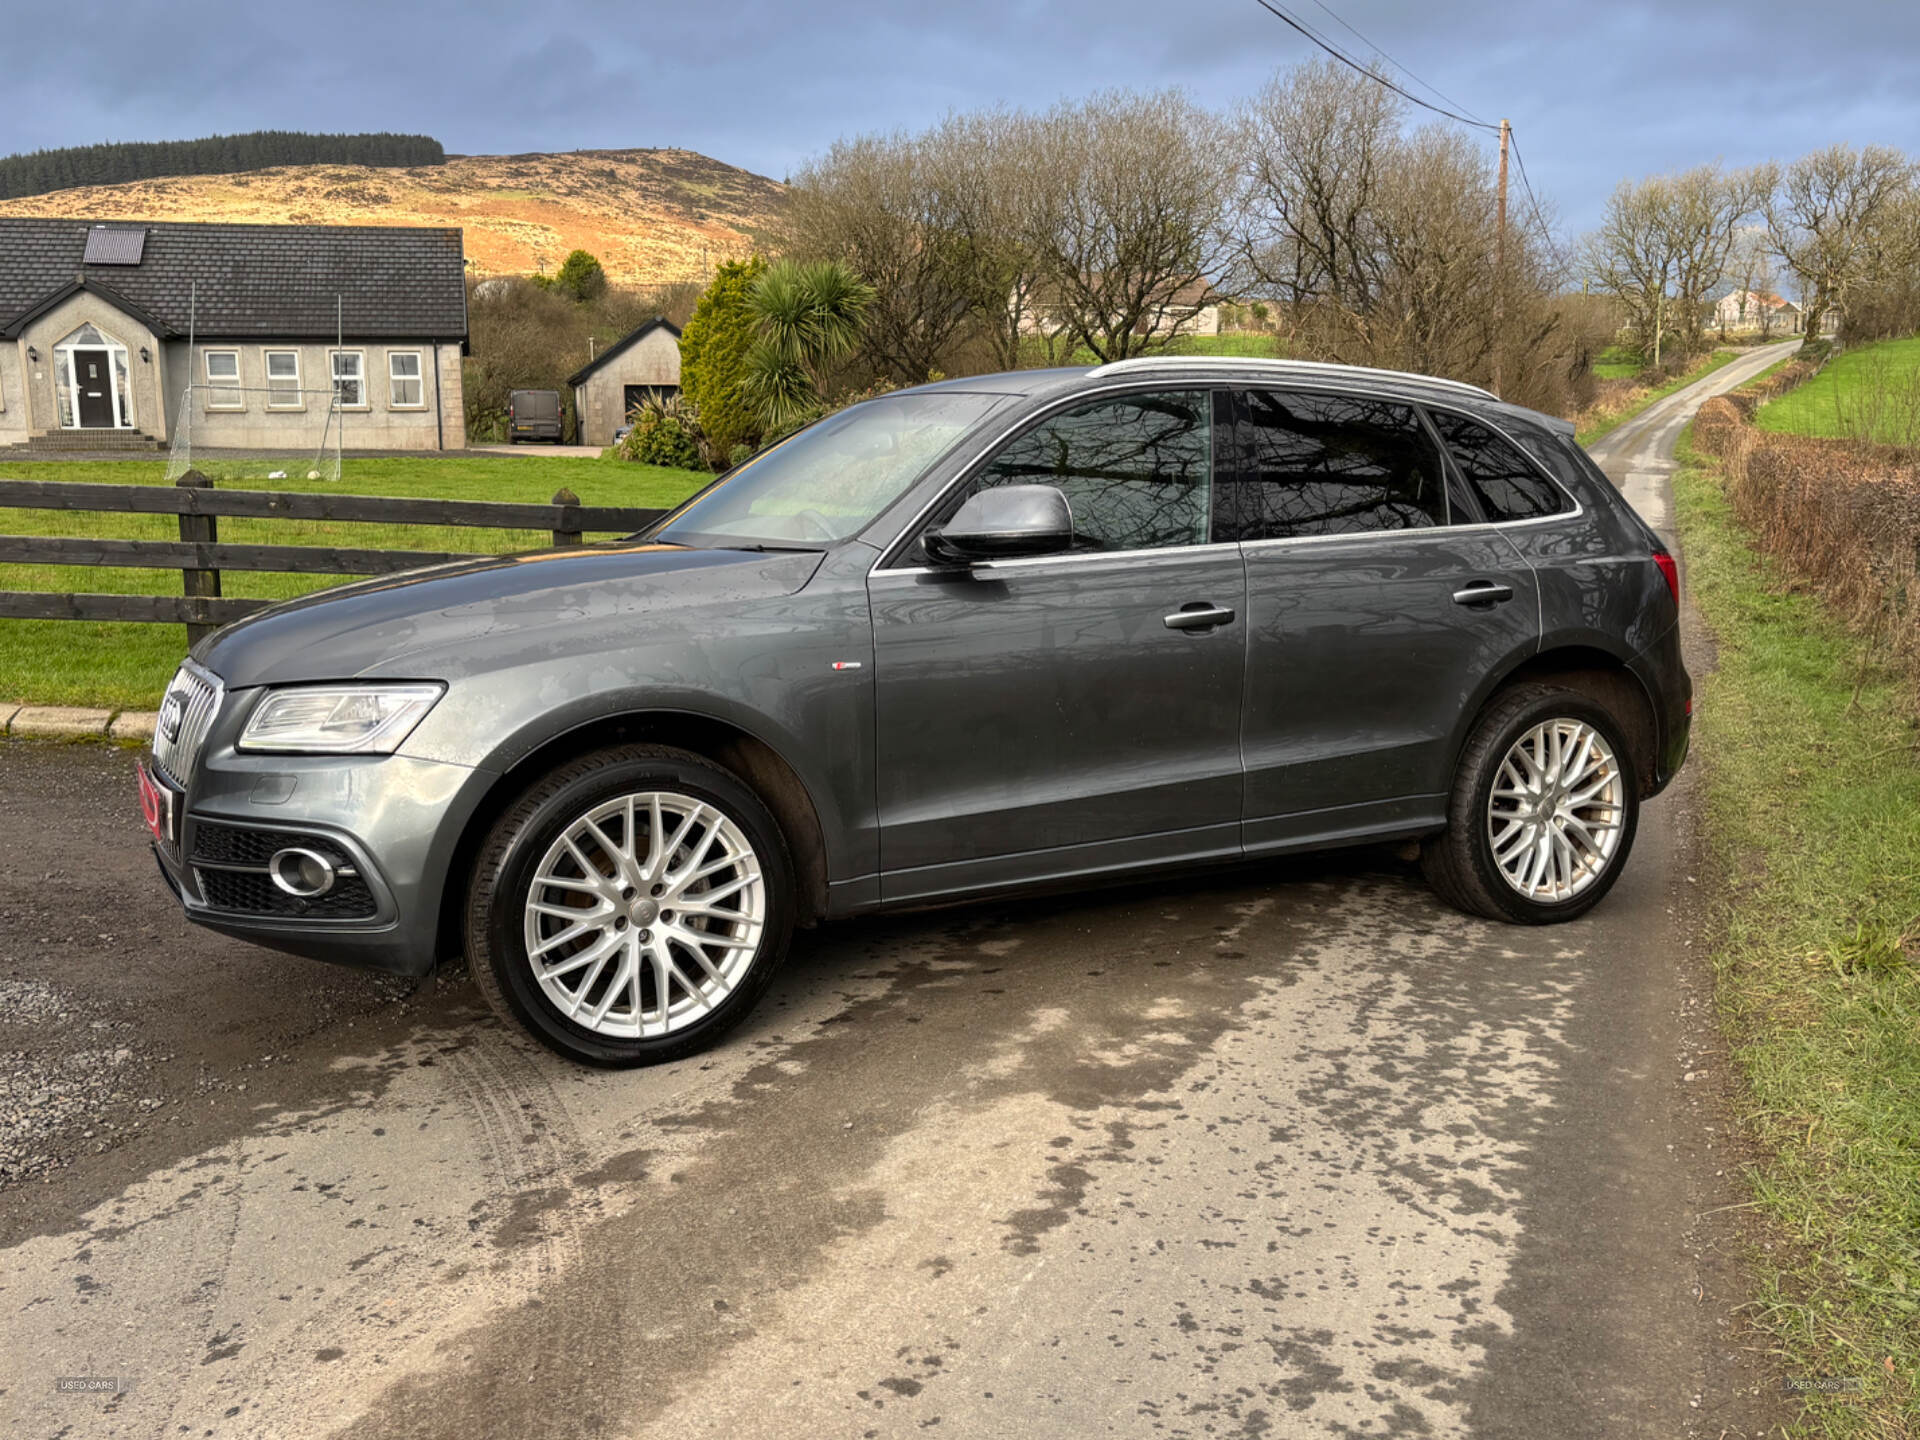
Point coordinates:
[(1607, 421), (1812, 777), (1237, 343), (1816, 407), (126, 666), (1617, 362)]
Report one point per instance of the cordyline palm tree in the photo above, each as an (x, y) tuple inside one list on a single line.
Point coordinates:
[(810, 315)]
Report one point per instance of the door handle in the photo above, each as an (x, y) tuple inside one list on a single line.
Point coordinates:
[(1483, 592), (1200, 615)]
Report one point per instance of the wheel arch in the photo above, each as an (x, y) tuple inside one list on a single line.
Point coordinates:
[(752, 759), (1602, 677)]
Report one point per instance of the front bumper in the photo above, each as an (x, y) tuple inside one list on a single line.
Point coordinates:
[(394, 822)]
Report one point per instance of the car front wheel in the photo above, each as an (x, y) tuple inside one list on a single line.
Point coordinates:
[(631, 906), (1543, 811)]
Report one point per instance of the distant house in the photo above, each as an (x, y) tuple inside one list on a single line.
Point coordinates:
[(620, 377), (1190, 308), (1196, 307), (103, 327), (1756, 310)]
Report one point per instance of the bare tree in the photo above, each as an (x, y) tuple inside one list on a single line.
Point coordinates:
[(873, 203), (1630, 257), (1311, 147), (1886, 301), (1133, 213), (1704, 210), (1750, 268), (986, 168), (1823, 213), (1665, 244), (1379, 245)]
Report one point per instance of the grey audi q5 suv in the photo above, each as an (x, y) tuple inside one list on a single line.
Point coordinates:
[(1014, 631)]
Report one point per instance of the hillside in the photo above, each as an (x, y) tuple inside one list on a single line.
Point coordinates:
[(648, 214)]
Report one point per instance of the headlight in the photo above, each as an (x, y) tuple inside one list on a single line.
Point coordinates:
[(338, 719)]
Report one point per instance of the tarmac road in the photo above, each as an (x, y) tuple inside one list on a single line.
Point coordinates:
[(1289, 1151)]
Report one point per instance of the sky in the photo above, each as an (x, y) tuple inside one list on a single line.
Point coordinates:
[(1598, 90)]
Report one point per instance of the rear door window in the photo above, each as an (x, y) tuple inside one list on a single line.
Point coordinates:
[(1508, 485), (1305, 464)]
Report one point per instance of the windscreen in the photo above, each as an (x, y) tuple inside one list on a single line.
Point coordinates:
[(829, 480)]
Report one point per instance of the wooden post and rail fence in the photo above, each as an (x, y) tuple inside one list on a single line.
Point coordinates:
[(200, 557)]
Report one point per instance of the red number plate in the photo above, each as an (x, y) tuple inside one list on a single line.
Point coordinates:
[(156, 806)]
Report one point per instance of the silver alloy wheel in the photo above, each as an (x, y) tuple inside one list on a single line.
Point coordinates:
[(1557, 810), (645, 915)]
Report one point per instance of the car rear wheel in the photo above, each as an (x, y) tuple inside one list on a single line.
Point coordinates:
[(631, 906), (1542, 816)]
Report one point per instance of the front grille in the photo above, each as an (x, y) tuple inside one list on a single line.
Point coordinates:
[(230, 865), (252, 892), (194, 697)]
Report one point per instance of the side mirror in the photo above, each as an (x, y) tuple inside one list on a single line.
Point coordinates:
[(1003, 523)]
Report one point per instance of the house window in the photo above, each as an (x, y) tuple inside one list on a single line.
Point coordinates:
[(350, 379), (406, 390), (283, 380), (223, 381)]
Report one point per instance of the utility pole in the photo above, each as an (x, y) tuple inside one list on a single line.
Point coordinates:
[(1500, 261)]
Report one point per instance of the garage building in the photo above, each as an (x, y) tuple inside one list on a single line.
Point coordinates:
[(646, 363)]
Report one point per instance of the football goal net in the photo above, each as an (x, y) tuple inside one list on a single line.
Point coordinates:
[(259, 436)]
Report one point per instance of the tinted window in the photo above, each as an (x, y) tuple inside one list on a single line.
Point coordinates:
[(1510, 486), (1329, 465), (1137, 469)]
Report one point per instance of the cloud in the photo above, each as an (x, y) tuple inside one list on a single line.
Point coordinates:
[(1596, 92)]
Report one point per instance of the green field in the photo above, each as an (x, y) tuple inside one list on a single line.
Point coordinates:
[(70, 662), (1841, 393), (1812, 775), (1617, 362), (1241, 343), (1237, 343)]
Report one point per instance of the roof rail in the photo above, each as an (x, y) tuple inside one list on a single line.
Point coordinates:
[(1299, 368)]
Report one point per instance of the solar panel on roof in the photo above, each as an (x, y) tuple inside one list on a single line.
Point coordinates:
[(109, 246)]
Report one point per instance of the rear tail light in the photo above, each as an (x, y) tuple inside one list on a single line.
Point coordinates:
[(1669, 571)]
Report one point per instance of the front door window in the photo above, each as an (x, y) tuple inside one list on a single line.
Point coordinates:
[(1136, 469)]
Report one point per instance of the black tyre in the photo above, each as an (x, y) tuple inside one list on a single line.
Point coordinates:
[(1544, 807), (631, 906)]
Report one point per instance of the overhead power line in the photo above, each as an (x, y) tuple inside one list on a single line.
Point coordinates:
[(1533, 202), (1504, 130), (1372, 74), (1467, 118), (1339, 20)]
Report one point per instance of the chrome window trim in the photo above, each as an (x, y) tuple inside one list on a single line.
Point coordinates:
[(1306, 383), (1123, 557), (1481, 525)]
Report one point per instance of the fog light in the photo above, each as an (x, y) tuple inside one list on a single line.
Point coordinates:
[(301, 873)]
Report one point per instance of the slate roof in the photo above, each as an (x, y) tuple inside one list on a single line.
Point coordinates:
[(659, 322), (265, 281)]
